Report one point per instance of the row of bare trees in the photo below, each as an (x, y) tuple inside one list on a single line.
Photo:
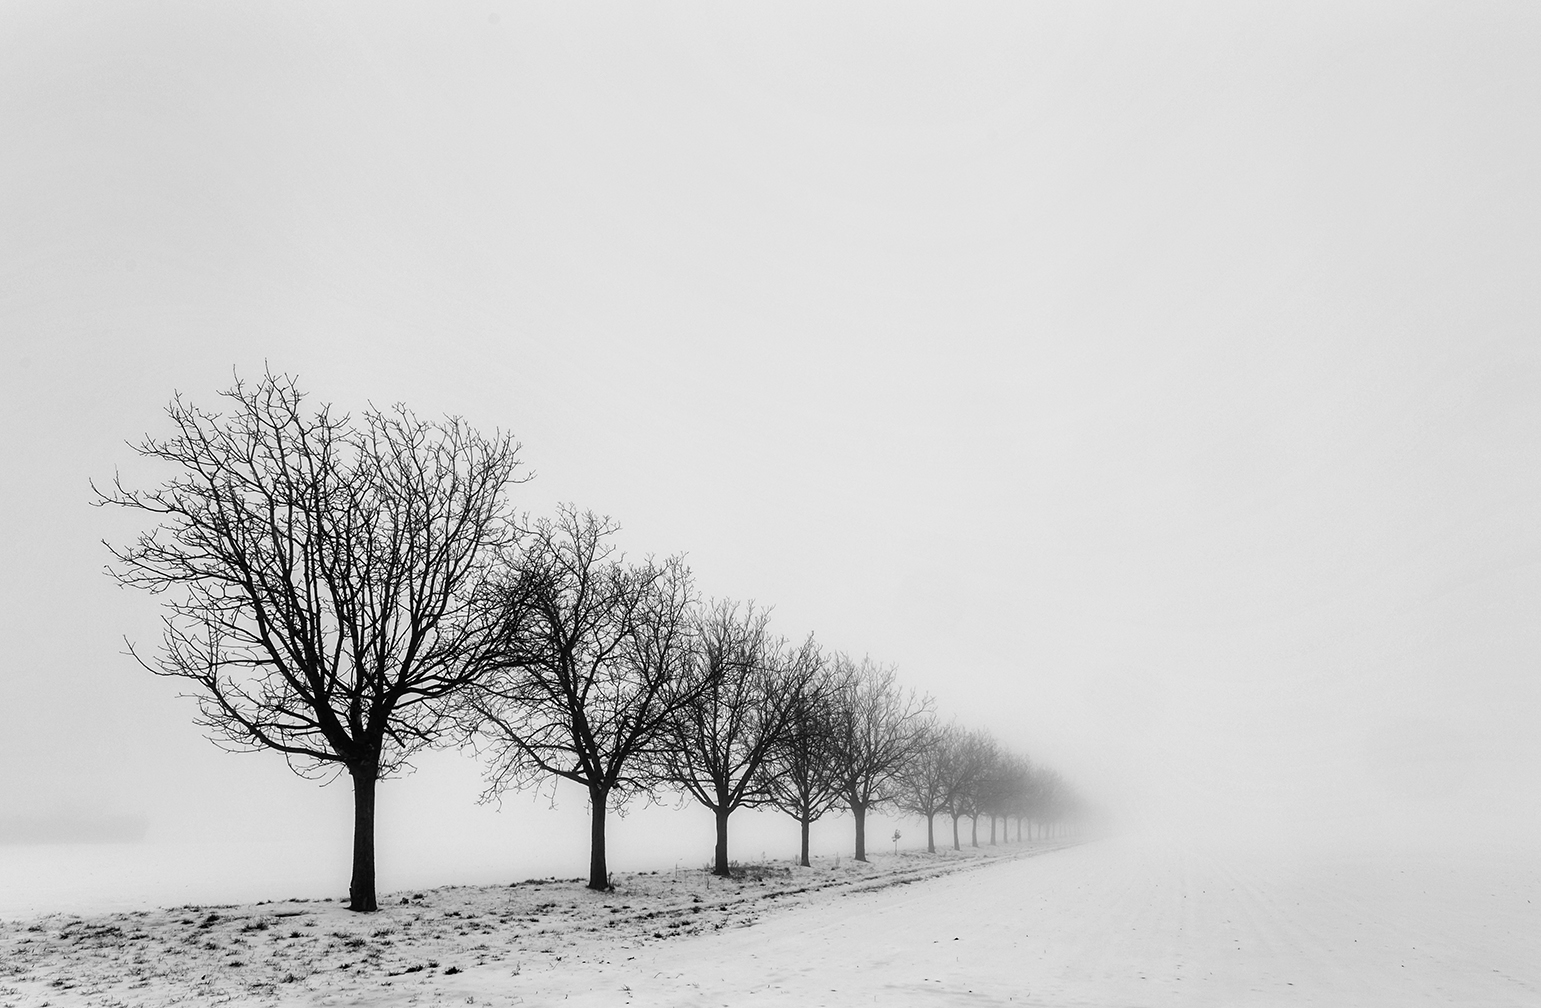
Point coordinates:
[(350, 590), (960, 774)]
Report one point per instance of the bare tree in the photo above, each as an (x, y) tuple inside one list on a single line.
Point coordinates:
[(1053, 801), (596, 654), (996, 788), (1015, 791), (802, 772), (878, 728), (744, 688), (326, 580), (984, 760), (966, 760), (923, 780)]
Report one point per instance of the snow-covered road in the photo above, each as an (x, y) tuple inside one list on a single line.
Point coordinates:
[(1116, 923), (1125, 922)]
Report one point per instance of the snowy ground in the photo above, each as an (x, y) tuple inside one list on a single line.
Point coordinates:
[(1114, 923)]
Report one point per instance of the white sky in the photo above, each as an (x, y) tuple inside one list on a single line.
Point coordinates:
[(1157, 385)]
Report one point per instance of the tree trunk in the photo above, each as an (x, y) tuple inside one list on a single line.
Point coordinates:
[(599, 875), (955, 833), (720, 864), (1019, 829), (859, 810), (805, 861), (361, 890), (992, 829), (973, 831), (930, 837)]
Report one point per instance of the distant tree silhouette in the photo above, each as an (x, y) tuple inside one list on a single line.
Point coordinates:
[(980, 791), (1016, 791), (966, 761), (996, 787), (326, 579), (596, 657), (1055, 802), (744, 689)]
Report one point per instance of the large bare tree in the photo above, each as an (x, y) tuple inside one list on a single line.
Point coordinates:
[(878, 728), (596, 655), (745, 688), (325, 579)]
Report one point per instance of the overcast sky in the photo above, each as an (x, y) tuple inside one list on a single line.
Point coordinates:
[(1158, 385)]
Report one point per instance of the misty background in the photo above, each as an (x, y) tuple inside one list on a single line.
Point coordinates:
[(1157, 386)]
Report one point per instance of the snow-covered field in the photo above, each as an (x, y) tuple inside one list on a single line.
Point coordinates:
[(1113, 923)]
